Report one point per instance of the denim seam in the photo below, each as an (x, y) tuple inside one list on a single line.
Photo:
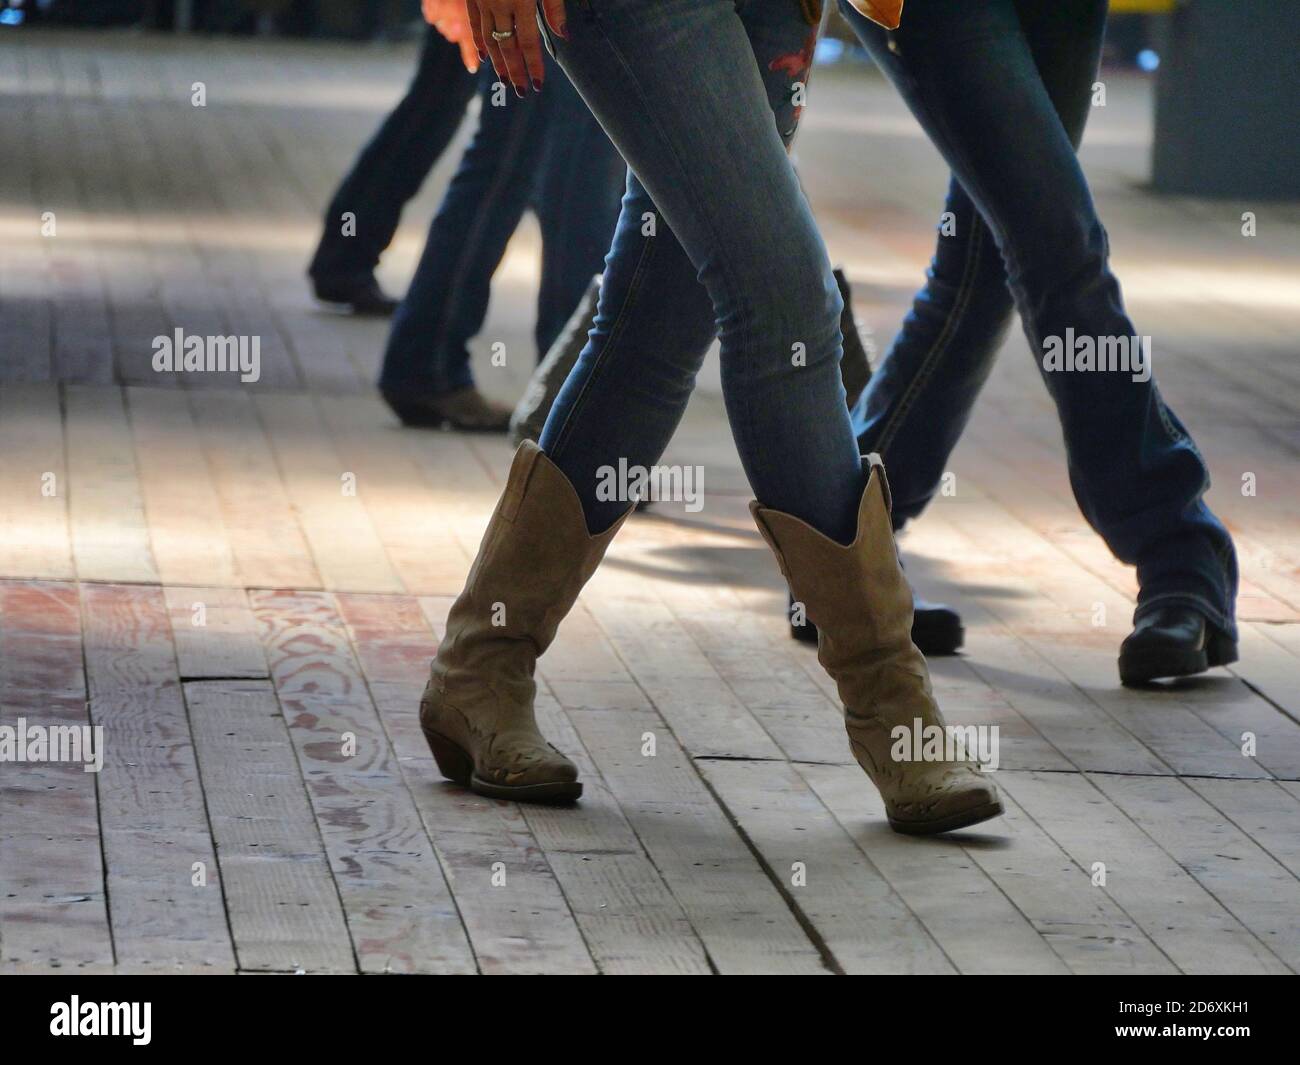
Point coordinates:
[(941, 344), (891, 427), (684, 171), (974, 190)]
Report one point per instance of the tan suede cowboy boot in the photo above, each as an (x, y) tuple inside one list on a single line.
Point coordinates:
[(862, 607), (477, 709)]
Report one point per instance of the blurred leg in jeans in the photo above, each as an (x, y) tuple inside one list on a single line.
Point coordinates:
[(363, 214), (544, 150)]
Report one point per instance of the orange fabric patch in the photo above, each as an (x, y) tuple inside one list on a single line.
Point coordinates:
[(887, 13)]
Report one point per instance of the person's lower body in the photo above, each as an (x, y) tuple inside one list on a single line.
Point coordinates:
[(1003, 89), (686, 89), (363, 214), (544, 150)]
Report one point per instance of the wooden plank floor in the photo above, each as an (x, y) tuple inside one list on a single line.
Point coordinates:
[(243, 584)]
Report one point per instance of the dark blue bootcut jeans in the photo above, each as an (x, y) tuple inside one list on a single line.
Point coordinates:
[(545, 151), (702, 97), (393, 165), (1003, 89)]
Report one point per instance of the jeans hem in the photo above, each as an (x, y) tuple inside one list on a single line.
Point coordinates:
[(940, 348), (1216, 615)]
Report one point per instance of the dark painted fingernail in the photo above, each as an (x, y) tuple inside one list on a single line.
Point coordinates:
[(537, 84), (519, 92), (563, 31)]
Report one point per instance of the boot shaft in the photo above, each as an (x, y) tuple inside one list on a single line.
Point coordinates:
[(855, 592), (534, 559), (861, 603)]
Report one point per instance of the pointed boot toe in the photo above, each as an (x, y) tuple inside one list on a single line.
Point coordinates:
[(521, 759), (943, 798), (505, 761)]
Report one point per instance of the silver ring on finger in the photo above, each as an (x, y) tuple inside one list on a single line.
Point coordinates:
[(502, 35)]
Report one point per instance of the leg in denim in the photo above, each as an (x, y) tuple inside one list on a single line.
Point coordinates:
[(921, 395), (428, 346), (391, 168), (713, 188), (1000, 88)]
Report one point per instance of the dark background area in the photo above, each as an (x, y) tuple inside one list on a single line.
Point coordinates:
[(356, 19), (1227, 81)]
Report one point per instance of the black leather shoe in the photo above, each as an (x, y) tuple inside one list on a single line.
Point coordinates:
[(361, 295), (1172, 641), (936, 628)]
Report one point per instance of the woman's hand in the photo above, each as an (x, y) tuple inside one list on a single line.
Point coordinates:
[(450, 18), (517, 56)]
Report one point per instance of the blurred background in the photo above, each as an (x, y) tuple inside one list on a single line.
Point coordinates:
[(1229, 79), (1134, 30)]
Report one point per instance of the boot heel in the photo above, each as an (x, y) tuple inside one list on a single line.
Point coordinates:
[(1221, 650), (453, 763)]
